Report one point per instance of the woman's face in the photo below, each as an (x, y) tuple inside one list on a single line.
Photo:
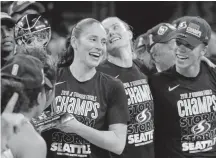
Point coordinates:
[(91, 45), (187, 56), (118, 35)]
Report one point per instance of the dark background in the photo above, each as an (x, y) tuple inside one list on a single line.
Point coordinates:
[(140, 15)]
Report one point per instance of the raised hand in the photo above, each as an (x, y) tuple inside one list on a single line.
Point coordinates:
[(10, 121)]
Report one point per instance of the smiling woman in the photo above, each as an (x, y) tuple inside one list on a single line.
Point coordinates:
[(120, 37), (120, 64), (97, 101), (88, 45), (188, 90)]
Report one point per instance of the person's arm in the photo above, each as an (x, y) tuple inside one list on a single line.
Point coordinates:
[(27, 143), (208, 61), (114, 138), (9, 121), (36, 149)]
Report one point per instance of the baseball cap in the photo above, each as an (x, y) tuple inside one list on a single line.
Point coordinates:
[(160, 33), (193, 30), (18, 6), (6, 19), (26, 69)]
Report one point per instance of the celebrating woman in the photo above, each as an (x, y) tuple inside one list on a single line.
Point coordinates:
[(96, 100)]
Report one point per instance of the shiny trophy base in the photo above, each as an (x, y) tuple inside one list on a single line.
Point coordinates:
[(48, 120)]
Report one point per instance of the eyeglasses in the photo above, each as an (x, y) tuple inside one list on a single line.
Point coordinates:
[(184, 43)]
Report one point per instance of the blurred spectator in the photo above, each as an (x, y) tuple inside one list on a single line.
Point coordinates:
[(20, 8), (7, 37)]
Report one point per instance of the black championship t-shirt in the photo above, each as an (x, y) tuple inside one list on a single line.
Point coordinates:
[(185, 114), (98, 103), (140, 104)]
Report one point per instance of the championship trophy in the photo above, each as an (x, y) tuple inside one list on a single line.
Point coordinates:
[(50, 118)]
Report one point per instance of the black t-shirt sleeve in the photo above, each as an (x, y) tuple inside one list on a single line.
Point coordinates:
[(117, 104)]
